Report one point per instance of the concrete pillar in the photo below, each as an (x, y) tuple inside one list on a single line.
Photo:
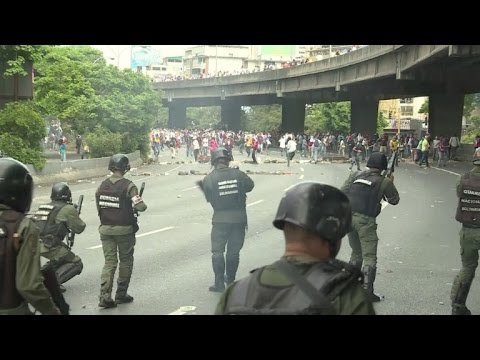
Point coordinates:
[(293, 115), (177, 116), (445, 112), (364, 116), (231, 115)]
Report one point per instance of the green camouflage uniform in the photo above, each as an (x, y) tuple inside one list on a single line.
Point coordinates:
[(61, 254), (29, 280), (364, 239), (469, 248), (121, 237), (351, 300)]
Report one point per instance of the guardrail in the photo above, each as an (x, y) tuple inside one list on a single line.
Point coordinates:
[(76, 169)]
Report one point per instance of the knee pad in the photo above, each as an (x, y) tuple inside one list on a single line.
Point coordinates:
[(66, 271)]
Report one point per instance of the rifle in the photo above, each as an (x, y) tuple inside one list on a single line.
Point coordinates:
[(71, 235), (51, 283), (142, 187)]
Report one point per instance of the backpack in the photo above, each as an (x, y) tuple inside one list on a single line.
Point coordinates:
[(316, 143), (311, 294)]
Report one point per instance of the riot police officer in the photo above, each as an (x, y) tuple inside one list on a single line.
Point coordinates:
[(21, 280), (225, 189), (307, 279), (365, 190), (468, 192), (117, 202), (55, 221)]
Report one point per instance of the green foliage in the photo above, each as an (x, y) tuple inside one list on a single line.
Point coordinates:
[(424, 108), (382, 123), (328, 117), (21, 119), (75, 84), (203, 117), (263, 118), (104, 143), (15, 57), (23, 130), (470, 103), (13, 146)]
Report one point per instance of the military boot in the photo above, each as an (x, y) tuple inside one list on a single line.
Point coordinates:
[(107, 303), (231, 269), (121, 296), (219, 284), (369, 274), (459, 296), (458, 309), (218, 264)]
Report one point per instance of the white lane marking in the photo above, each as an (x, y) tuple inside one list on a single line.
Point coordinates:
[(183, 310), (255, 203), (156, 231), (447, 171), (94, 247), (144, 234), (191, 188), (179, 166), (301, 169), (301, 177)]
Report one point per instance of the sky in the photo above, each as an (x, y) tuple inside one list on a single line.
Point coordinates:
[(120, 54)]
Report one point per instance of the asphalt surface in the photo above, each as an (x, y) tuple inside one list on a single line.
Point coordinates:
[(418, 252)]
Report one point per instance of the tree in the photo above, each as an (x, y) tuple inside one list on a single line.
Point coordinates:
[(470, 103), (331, 117), (203, 117), (263, 118), (75, 84), (424, 108), (23, 130), (16, 56), (382, 123)]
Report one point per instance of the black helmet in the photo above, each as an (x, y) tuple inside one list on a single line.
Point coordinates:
[(119, 162), (61, 191), (318, 208), (378, 161), (221, 153), (16, 185)]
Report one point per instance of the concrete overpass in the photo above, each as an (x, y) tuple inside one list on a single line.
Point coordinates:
[(445, 73)]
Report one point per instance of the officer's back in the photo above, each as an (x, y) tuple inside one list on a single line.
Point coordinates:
[(307, 279)]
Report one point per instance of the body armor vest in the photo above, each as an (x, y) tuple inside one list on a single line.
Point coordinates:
[(227, 191), (250, 297), (468, 209), (363, 194), (9, 246), (115, 207), (51, 233)]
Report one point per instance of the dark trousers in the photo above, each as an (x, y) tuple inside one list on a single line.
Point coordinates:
[(232, 237)]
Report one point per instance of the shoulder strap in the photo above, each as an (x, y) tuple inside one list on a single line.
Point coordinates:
[(318, 299), (12, 221)]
